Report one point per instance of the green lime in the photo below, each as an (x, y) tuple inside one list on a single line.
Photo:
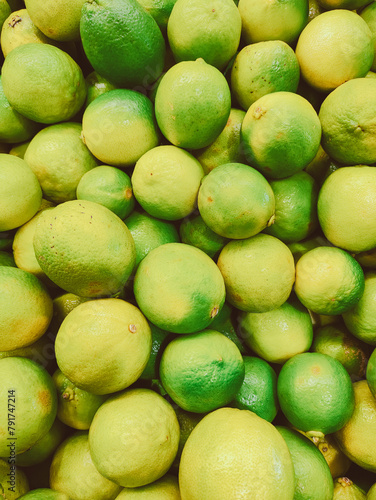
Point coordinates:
[(224, 323), (201, 371), (192, 104), (160, 10), (258, 392), (281, 134), (166, 488), (368, 14), (193, 231), (44, 494), (345, 489), (313, 480), (190, 293), (371, 372), (236, 201), (279, 334), (261, 68), (96, 85), (6, 259), (315, 393), (259, 273), (160, 339), (17, 477)]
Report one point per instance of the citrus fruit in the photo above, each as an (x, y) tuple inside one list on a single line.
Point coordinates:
[(347, 120), (333, 48), (277, 20), (5, 10), (236, 201), (160, 339), (371, 373), (295, 207), (193, 231), (123, 29), (44, 447), (357, 437), (345, 488), (149, 232), (160, 10), (20, 192), (192, 104), (28, 392), (346, 207), (201, 371), (75, 407), (166, 181), (119, 126), (371, 495), (367, 259), (259, 272), (179, 288), (108, 186), (226, 148), (6, 259), (19, 149), (96, 85), (59, 158), (315, 393), (328, 280), (26, 308), (134, 437), (360, 320), (313, 479), (279, 334), (210, 30), (258, 392), (73, 472), (224, 323), (233, 453), (281, 134), (43, 83), (17, 477), (368, 15), (14, 127), (84, 248), (45, 494), (165, 488), (338, 462), (102, 346), (336, 341), (261, 68)]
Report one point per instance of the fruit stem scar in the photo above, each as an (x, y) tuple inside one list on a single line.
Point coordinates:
[(132, 328), (214, 311), (15, 19)]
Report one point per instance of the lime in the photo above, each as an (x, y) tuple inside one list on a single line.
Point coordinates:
[(357, 438), (328, 280), (73, 472), (26, 308), (368, 14), (20, 192), (6, 259), (315, 393), (345, 489), (160, 10), (96, 85), (17, 477), (233, 453), (347, 120), (193, 231), (108, 186), (179, 288), (333, 48), (44, 494), (192, 104), (84, 248), (5, 10), (75, 407), (313, 479), (166, 181), (29, 394), (122, 42), (338, 462), (261, 68), (281, 134), (295, 207), (371, 495), (119, 127), (258, 392), (201, 371), (160, 339), (102, 346), (279, 334), (346, 206), (276, 20), (259, 272), (43, 83), (336, 341), (59, 158), (224, 323), (236, 201), (19, 149), (226, 148), (149, 232), (166, 488), (210, 30), (134, 437)]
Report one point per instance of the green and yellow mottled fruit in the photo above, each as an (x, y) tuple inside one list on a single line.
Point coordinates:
[(345, 489), (179, 288), (45, 494), (122, 42), (234, 453), (18, 477), (84, 248), (30, 396), (193, 231)]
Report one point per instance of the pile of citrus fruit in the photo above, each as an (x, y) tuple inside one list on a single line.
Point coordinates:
[(188, 249)]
